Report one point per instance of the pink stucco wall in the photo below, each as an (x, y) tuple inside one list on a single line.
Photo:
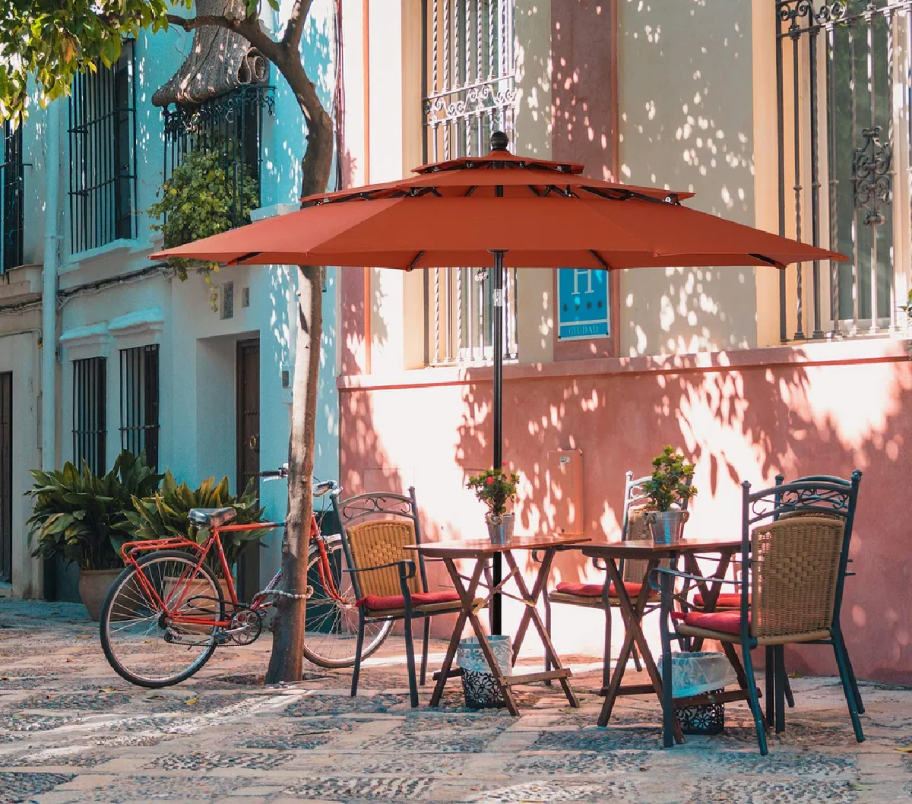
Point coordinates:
[(821, 409)]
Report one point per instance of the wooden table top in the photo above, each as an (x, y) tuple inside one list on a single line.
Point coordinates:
[(646, 548), (469, 548)]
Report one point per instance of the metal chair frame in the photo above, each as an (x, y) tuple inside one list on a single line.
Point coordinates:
[(389, 506), (818, 495)]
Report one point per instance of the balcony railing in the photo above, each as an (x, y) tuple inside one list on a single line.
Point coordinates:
[(845, 130), (232, 125)]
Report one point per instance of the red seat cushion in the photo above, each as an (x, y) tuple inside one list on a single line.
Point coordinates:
[(377, 603), (727, 600), (595, 589), (727, 622)]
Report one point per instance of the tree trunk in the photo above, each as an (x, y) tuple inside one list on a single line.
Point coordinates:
[(285, 663)]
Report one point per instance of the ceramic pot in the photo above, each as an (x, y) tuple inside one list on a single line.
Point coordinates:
[(500, 528), (93, 589), (666, 527)]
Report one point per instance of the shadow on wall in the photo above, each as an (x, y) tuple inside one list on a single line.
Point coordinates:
[(736, 424)]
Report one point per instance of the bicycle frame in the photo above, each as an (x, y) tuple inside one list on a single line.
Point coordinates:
[(131, 551)]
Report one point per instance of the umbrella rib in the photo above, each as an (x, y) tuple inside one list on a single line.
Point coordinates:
[(239, 260), (767, 260), (601, 260), (414, 262)]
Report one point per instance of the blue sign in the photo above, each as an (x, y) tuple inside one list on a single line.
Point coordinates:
[(582, 304)]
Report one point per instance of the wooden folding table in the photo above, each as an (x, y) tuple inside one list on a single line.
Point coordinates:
[(467, 587)]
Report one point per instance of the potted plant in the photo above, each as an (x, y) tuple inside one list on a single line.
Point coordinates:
[(81, 517), (166, 514), (495, 488), (668, 487)]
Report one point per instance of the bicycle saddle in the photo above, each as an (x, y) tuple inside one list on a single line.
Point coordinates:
[(211, 517)]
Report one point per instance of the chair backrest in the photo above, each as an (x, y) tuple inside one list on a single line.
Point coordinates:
[(375, 528), (795, 539), (634, 526)]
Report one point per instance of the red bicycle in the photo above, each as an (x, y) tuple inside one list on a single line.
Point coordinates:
[(175, 602)]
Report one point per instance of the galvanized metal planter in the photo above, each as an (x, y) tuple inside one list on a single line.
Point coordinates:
[(500, 528), (666, 527)]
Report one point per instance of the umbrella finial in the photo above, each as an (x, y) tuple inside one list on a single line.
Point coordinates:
[(499, 141)]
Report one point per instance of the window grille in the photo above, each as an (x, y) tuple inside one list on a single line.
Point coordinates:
[(844, 138), (89, 420), (139, 401), (102, 136), (12, 212), (469, 94), (232, 125)]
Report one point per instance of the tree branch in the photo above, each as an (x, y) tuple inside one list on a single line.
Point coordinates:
[(248, 28), (295, 27)]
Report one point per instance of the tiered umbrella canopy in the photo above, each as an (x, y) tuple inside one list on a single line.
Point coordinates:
[(500, 211)]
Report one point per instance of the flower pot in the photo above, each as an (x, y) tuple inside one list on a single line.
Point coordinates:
[(666, 527), (93, 589), (500, 528)]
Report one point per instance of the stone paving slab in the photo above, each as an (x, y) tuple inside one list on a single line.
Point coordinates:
[(73, 731)]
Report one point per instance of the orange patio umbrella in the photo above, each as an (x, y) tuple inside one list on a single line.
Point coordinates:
[(500, 211)]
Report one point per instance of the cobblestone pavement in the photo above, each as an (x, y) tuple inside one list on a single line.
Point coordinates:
[(73, 731)]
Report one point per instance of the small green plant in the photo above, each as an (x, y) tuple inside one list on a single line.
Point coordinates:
[(495, 488), (670, 481), (81, 516), (165, 515), (199, 200)]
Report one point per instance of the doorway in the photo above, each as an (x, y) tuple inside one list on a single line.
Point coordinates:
[(6, 477), (248, 451)]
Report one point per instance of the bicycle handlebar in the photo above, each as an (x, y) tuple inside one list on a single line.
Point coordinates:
[(320, 488)]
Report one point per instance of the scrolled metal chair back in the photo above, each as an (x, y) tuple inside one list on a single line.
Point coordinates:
[(375, 529), (795, 540)]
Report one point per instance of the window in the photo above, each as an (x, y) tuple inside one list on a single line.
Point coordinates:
[(844, 136), (89, 421), (231, 124), (139, 423), (102, 155), (11, 208), (469, 95)]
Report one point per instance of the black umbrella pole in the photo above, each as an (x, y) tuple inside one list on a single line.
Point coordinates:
[(496, 621)]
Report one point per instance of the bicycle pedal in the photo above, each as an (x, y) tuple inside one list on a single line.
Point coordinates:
[(222, 638)]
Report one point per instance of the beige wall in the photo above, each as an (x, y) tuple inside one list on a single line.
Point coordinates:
[(686, 123)]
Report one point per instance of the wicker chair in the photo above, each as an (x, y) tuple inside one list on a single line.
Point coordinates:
[(795, 546), (387, 581), (592, 595)]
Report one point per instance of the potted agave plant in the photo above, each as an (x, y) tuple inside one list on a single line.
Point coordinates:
[(81, 517), (668, 487), (495, 489)]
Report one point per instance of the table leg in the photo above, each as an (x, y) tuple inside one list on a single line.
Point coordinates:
[(669, 721), (531, 613), (635, 636), (532, 600), (467, 597), (627, 613), (474, 581)]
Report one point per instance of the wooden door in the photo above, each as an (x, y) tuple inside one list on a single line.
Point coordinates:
[(248, 450)]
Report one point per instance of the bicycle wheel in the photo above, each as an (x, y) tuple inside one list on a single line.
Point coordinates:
[(136, 638), (332, 620)]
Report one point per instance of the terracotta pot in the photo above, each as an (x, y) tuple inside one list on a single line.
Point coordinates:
[(93, 589)]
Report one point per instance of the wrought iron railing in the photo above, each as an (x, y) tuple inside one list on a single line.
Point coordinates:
[(102, 139), (89, 412), (139, 401), (469, 94), (232, 125), (12, 209), (844, 138)]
